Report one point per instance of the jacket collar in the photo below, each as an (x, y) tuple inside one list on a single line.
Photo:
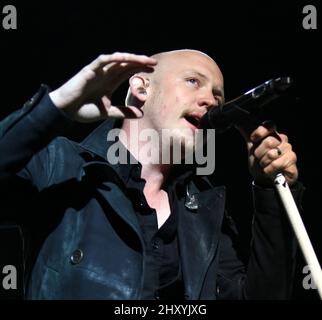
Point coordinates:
[(97, 145), (96, 142)]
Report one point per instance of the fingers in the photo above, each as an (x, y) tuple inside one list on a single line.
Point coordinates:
[(118, 57), (278, 152), (275, 156), (262, 132), (250, 135), (108, 72), (284, 164), (269, 145), (270, 153), (117, 73)]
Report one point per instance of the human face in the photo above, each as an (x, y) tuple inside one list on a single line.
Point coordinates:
[(186, 85)]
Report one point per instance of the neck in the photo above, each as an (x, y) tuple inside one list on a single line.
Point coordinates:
[(156, 177), (153, 171)]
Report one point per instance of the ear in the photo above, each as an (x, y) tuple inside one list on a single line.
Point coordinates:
[(137, 93)]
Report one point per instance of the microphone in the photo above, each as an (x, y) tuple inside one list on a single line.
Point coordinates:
[(242, 111)]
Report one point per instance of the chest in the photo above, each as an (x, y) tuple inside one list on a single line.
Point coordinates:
[(159, 202)]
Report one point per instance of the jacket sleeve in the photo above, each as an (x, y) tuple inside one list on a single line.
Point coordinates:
[(25, 162), (27, 131), (271, 266)]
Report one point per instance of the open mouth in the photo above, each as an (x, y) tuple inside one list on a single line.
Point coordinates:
[(194, 120)]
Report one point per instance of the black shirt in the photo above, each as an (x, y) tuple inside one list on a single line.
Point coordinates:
[(162, 272)]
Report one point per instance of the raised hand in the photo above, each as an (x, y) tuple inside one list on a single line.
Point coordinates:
[(86, 97)]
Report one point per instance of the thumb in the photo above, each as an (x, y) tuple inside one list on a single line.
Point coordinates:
[(254, 131), (122, 112)]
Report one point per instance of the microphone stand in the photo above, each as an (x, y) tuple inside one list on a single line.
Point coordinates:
[(299, 230)]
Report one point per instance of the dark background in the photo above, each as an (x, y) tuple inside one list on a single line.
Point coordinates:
[(252, 42)]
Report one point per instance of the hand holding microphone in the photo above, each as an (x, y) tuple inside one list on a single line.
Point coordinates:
[(269, 153), (242, 111)]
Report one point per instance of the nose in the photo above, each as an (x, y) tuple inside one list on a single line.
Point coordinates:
[(207, 101)]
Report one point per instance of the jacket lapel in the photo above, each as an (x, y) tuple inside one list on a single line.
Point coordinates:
[(112, 189), (121, 205), (198, 233)]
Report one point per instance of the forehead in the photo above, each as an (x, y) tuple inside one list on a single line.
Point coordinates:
[(189, 61)]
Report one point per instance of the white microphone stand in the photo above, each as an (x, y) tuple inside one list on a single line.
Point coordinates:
[(299, 230)]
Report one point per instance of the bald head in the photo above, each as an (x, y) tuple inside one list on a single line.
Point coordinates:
[(170, 60), (167, 59), (177, 53)]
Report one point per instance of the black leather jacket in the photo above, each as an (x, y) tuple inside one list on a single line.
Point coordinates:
[(85, 240)]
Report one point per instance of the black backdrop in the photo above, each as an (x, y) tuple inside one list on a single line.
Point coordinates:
[(251, 41)]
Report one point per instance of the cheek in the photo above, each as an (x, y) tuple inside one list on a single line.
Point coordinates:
[(164, 115), (168, 109), (163, 111), (172, 108), (169, 112)]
